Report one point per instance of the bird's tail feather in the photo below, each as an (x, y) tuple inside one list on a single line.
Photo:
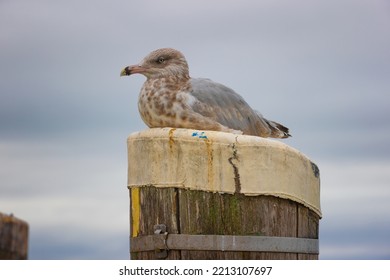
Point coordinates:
[(275, 130), (278, 130)]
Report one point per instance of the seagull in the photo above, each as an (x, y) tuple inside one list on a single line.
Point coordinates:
[(171, 98)]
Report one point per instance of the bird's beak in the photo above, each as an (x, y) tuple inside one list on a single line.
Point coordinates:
[(127, 71)]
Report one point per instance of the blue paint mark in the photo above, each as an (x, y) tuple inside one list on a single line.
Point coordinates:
[(200, 135)]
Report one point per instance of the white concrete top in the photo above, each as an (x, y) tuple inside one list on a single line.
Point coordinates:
[(222, 162)]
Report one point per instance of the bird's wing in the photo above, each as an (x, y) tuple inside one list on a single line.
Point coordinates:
[(228, 108)]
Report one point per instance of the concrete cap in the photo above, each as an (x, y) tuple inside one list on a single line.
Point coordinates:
[(222, 162)]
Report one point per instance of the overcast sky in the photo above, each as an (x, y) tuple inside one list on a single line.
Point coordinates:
[(322, 68)]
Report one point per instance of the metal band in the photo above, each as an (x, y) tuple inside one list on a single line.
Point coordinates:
[(165, 241)]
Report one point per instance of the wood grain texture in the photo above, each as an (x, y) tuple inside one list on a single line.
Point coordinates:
[(199, 212), (13, 238), (157, 206), (308, 224)]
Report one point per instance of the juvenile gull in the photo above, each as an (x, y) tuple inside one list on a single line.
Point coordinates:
[(171, 98)]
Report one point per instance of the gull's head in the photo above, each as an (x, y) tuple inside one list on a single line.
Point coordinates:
[(159, 64)]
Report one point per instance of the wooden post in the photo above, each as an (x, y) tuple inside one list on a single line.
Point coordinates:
[(13, 238), (214, 195)]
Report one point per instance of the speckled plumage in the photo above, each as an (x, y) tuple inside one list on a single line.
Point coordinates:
[(170, 98)]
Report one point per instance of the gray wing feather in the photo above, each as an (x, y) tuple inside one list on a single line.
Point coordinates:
[(225, 106)]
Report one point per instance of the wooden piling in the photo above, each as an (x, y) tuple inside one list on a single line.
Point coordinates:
[(13, 238), (214, 195)]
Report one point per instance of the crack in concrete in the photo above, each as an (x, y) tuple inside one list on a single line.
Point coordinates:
[(237, 181)]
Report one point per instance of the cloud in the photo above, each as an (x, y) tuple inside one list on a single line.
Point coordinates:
[(320, 68), (354, 198), (74, 199)]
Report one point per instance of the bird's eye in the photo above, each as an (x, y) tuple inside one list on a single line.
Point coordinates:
[(161, 60)]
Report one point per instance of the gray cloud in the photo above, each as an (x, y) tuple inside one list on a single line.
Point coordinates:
[(319, 67)]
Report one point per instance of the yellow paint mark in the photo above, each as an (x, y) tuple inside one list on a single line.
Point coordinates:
[(135, 211)]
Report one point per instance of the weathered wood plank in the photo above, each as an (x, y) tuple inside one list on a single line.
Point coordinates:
[(199, 212), (156, 206), (214, 213), (307, 228), (13, 238)]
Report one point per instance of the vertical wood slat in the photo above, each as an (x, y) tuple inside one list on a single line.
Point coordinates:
[(199, 212), (155, 207), (13, 238), (307, 228)]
